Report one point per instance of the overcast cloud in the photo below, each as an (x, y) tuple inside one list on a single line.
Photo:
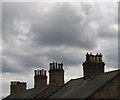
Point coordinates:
[(35, 34)]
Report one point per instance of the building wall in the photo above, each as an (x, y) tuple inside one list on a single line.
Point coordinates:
[(110, 90)]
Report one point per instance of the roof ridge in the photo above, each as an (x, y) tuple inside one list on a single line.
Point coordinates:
[(76, 78), (117, 70)]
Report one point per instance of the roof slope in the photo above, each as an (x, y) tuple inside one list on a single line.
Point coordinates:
[(84, 88), (69, 86), (30, 93)]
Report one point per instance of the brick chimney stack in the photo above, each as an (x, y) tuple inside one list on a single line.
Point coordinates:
[(93, 65), (40, 78), (17, 86), (56, 74)]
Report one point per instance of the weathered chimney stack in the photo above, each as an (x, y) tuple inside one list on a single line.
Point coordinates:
[(56, 74), (40, 78), (17, 86), (93, 65)]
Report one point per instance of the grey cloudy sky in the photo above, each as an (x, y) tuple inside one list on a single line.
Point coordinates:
[(35, 34)]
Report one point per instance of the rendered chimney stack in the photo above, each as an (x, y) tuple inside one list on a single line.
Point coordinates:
[(40, 78), (56, 74), (93, 65), (17, 86)]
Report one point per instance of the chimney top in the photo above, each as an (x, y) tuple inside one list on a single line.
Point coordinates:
[(93, 65), (40, 72), (56, 66), (17, 86), (90, 57)]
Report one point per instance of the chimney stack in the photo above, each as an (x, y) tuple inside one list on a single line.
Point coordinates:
[(93, 65), (17, 86), (40, 78), (56, 74)]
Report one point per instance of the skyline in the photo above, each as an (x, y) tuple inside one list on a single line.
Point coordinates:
[(36, 34)]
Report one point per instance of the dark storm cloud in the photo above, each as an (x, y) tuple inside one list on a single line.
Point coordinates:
[(16, 62), (10, 67), (33, 31), (106, 34), (20, 62), (62, 27), (10, 13), (67, 58)]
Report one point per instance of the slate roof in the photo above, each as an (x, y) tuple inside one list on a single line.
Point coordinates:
[(68, 87), (75, 88), (30, 93), (79, 88)]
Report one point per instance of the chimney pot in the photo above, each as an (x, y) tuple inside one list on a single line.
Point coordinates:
[(61, 65), (56, 65), (53, 65), (35, 73)]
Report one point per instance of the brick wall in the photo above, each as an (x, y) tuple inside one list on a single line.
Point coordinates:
[(40, 78), (17, 86)]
